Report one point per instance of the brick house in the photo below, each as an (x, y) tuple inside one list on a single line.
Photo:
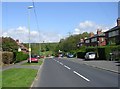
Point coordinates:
[(94, 40), (113, 35)]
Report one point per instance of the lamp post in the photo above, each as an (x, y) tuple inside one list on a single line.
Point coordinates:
[(29, 8)]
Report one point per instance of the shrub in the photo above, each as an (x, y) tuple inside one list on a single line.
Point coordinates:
[(20, 56), (81, 54), (7, 57), (105, 52)]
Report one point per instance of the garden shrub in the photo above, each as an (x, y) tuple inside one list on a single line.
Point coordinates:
[(7, 57), (20, 56), (81, 54)]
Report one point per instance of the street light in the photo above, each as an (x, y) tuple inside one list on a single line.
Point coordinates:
[(29, 8)]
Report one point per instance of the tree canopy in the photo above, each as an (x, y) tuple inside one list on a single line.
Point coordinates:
[(70, 43), (9, 44)]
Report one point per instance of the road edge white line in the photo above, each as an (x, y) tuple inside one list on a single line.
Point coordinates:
[(81, 76)]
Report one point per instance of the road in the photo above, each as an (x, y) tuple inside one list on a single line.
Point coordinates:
[(64, 73)]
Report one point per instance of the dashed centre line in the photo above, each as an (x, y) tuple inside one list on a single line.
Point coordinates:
[(61, 63), (81, 76), (67, 67), (74, 71)]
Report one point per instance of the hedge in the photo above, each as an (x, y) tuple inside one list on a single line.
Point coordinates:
[(81, 54), (7, 57), (105, 52), (20, 56)]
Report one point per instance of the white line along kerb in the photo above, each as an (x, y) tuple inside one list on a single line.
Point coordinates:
[(67, 67), (81, 76)]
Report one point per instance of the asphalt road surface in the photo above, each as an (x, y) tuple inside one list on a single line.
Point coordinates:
[(63, 73)]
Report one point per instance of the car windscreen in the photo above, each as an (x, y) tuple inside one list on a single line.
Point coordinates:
[(34, 56), (91, 53)]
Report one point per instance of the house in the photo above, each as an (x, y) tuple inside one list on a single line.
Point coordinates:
[(22, 47), (96, 40), (113, 35)]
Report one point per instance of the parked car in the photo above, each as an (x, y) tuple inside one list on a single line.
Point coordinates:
[(90, 55), (33, 59), (70, 55)]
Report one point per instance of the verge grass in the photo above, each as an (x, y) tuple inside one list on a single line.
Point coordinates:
[(18, 77)]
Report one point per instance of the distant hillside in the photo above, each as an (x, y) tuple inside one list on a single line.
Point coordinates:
[(45, 47)]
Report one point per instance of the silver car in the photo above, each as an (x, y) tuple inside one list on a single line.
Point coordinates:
[(90, 55)]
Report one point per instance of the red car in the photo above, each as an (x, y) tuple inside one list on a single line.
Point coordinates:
[(33, 59)]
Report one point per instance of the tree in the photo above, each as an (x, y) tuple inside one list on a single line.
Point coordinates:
[(70, 43), (9, 44)]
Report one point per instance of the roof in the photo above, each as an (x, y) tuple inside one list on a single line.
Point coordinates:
[(114, 28), (97, 35)]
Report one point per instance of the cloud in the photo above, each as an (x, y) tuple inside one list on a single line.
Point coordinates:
[(90, 26), (76, 31), (22, 33)]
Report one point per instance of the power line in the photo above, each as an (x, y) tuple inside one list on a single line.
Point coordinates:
[(37, 23)]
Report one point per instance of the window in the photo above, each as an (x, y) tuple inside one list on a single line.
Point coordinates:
[(113, 33), (87, 41), (102, 39), (93, 39)]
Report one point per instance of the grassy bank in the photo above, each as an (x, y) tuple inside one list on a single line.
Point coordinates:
[(18, 77)]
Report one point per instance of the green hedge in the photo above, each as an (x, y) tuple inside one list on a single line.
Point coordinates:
[(20, 56), (81, 54), (103, 52)]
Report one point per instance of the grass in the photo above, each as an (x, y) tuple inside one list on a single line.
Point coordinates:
[(18, 77), (39, 63)]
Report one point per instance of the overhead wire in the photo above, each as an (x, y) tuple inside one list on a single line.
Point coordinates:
[(36, 18)]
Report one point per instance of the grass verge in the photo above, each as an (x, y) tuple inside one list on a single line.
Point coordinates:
[(18, 77), (39, 63)]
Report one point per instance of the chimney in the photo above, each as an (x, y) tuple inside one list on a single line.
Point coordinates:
[(99, 31), (91, 34), (118, 21)]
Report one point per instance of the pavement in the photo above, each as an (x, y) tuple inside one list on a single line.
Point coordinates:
[(58, 72), (112, 66), (19, 65)]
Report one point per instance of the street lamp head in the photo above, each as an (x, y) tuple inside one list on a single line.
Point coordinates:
[(29, 7)]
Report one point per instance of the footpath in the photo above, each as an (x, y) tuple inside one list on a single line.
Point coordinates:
[(112, 66), (19, 65)]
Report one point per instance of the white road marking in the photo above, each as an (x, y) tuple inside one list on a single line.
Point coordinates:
[(81, 76), (61, 63), (67, 67)]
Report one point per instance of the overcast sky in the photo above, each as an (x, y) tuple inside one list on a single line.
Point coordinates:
[(56, 19)]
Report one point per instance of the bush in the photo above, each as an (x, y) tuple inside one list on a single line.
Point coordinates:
[(81, 54), (20, 56), (7, 57), (105, 52)]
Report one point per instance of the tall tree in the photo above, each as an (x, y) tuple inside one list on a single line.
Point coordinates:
[(9, 44)]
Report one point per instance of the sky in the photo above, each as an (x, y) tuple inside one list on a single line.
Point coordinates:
[(56, 20)]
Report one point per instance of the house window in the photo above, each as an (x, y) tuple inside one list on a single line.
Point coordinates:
[(113, 33), (117, 32), (102, 39), (87, 41), (93, 39)]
